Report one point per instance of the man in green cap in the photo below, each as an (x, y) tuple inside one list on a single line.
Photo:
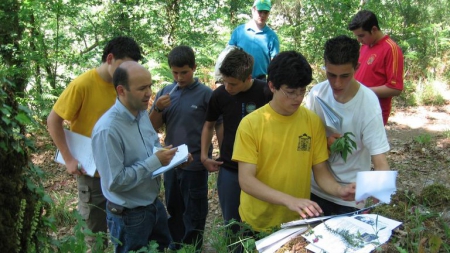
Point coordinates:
[(257, 39)]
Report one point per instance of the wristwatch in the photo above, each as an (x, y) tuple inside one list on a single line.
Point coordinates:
[(157, 109)]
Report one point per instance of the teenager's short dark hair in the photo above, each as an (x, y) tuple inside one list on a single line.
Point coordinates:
[(290, 68), (237, 64), (180, 56), (122, 47), (341, 50), (120, 77), (364, 19)]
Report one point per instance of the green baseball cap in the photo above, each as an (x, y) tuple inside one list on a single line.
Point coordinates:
[(262, 5)]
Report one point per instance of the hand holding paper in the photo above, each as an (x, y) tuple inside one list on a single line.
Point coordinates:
[(165, 155), (378, 184), (80, 147), (181, 156)]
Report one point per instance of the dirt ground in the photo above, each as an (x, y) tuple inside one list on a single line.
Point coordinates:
[(419, 139), (406, 129)]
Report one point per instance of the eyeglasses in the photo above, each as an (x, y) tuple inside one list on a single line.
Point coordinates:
[(292, 94)]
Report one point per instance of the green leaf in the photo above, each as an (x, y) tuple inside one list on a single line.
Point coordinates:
[(6, 120), (3, 145), (344, 145), (5, 109), (435, 243), (23, 118)]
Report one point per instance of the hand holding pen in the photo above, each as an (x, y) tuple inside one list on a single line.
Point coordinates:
[(164, 101), (166, 154)]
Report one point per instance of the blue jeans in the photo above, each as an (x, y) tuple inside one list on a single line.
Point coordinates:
[(330, 208), (186, 195), (229, 192), (135, 228)]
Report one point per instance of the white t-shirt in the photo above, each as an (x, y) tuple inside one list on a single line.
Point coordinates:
[(361, 116)]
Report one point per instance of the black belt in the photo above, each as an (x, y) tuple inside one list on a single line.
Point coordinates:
[(118, 209), (261, 77)]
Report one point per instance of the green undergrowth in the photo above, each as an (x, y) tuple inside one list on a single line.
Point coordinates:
[(425, 220)]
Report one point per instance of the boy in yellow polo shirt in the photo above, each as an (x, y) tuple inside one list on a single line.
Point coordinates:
[(82, 103), (277, 145)]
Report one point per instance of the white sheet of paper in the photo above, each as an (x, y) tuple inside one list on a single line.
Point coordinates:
[(371, 229), (180, 157), (378, 184), (81, 149)]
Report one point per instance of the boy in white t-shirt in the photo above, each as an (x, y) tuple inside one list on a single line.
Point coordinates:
[(361, 114)]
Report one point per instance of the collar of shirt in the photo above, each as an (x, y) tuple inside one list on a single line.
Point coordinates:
[(385, 37), (190, 86), (126, 113), (251, 25)]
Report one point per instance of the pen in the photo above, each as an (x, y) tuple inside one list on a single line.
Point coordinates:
[(174, 88), (158, 149)]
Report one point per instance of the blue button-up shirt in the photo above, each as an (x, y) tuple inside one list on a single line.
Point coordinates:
[(263, 45), (122, 145)]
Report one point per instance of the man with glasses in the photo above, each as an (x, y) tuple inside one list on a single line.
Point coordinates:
[(257, 39), (277, 145)]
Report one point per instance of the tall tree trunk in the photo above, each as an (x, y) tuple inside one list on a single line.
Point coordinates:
[(17, 201), (173, 15)]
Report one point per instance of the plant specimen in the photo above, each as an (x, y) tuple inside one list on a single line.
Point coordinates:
[(344, 145)]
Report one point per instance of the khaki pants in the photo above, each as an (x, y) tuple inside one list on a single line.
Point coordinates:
[(91, 206)]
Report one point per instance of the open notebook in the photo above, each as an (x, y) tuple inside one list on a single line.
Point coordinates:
[(181, 156)]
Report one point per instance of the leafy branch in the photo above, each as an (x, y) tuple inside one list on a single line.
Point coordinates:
[(353, 241), (344, 145)]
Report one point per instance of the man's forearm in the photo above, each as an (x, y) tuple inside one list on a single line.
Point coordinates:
[(219, 133), (385, 92), (380, 162), (156, 119), (261, 191), (254, 187), (56, 131), (325, 179), (207, 134)]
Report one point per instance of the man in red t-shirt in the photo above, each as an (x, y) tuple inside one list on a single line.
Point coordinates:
[(380, 60)]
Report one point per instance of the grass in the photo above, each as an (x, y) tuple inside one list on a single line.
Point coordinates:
[(447, 133), (425, 225), (424, 214), (63, 209), (424, 92), (423, 139)]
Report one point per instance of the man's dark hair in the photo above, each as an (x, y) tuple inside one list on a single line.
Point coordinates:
[(364, 19), (120, 77), (122, 47), (180, 56), (237, 64), (289, 68), (341, 50)]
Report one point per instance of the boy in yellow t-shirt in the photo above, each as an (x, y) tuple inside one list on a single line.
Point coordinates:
[(82, 103), (277, 145)]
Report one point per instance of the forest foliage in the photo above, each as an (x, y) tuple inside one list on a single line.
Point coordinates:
[(44, 44), (59, 39)]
